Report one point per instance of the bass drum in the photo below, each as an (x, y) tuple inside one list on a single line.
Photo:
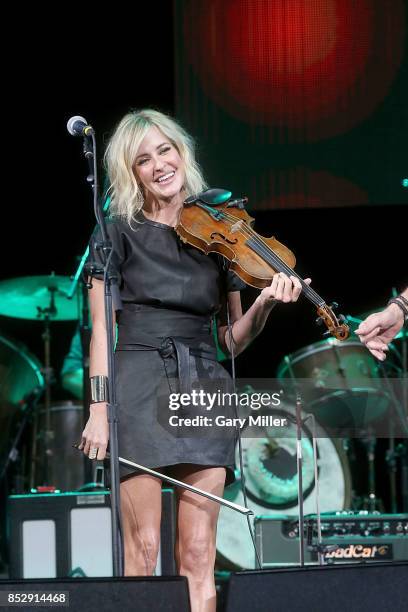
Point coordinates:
[(20, 373), (271, 484)]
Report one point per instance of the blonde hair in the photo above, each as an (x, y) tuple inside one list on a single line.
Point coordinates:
[(124, 191)]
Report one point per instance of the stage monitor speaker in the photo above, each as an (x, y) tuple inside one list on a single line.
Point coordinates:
[(145, 594), (52, 535), (339, 588)]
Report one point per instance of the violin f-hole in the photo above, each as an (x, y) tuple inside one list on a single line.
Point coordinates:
[(217, 234)]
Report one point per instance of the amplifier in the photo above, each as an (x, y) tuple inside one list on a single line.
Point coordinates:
[(55, 535), (360, 537)]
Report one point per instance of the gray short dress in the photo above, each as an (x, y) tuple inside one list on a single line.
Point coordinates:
[(170, 293)]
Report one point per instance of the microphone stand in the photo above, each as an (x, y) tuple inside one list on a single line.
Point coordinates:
[(111, 299), (319, 548), (299, 462)]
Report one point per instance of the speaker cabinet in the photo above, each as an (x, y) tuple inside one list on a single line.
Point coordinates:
[(338, 588), (56, 535), (145, 594)]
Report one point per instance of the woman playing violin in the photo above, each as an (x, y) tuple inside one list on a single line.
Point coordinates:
[(170, 293)]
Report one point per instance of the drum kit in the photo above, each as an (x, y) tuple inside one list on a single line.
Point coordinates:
[(343, 389), (49, 428), (346, 390)]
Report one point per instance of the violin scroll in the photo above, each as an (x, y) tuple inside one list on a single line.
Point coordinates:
[(336, 326)]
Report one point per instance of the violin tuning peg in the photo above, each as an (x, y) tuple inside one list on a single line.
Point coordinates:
[(342, 319), (319, 321), (326, 333), (334, 305)]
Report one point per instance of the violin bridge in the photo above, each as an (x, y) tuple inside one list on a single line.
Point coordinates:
[(236, 227)]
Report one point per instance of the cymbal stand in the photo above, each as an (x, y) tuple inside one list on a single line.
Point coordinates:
[(46, 315), (370, 443), (398, 405), (28, 405), (391, 462), (299, 461), (320, 548)]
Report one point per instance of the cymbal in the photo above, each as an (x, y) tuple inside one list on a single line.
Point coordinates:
[(37, 298)]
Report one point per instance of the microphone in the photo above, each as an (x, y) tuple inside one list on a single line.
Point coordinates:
[(78, 126)]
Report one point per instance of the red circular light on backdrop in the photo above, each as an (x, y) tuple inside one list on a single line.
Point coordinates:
[(306, 188), (317, 67)]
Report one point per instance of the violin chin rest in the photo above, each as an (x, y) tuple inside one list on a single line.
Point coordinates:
[(211, 197)]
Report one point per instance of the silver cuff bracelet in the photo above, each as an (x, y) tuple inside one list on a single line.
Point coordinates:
[(99, 389)]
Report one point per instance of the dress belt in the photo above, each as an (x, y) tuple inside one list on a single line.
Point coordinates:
[(171, 346)]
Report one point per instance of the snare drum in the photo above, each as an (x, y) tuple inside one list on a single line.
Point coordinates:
[(338, 382)]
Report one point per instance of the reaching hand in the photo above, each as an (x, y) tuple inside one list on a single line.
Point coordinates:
[(377, 331)]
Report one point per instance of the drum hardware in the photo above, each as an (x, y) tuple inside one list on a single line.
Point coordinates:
[(396, 452), (66, 420), (368, 500), (339, 383), (299, 460), (28, 406), (320, 549), (21, 384), (46, 313), (33, 297), (372, 501), (390, 459), (272, 487), (342, 388), (43, 298), (401, 451)]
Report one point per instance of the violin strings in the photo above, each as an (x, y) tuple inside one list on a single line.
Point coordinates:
[(247, 231), (268, 250)]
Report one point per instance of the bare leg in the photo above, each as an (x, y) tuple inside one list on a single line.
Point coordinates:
[(141, 514), (196, 532)]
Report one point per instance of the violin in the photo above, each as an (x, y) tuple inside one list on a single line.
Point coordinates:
[(213, 223)]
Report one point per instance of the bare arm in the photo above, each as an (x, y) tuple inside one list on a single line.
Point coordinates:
[(377, 331), (245, 327), (96, 432)]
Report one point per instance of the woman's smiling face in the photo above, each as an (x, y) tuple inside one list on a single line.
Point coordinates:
[(158, 166)]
